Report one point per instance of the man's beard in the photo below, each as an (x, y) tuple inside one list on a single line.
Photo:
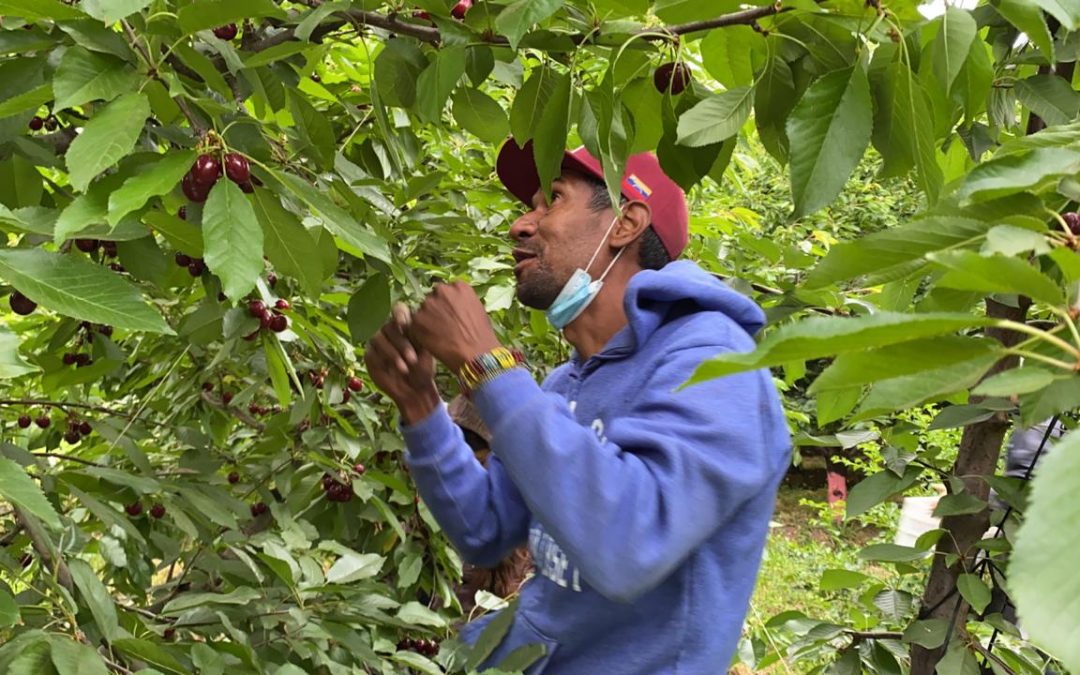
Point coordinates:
[(537, 286)]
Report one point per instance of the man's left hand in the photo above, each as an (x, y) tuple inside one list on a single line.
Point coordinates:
[(453, 325)]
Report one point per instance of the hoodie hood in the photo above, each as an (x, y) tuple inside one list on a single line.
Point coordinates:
[(680, 287)]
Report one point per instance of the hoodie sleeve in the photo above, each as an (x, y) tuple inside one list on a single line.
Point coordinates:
[(628, 508), (479, 509)]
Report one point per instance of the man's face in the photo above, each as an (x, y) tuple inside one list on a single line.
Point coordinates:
[(553, 239)]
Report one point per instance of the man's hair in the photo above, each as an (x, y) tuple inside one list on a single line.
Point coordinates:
[(651, 252)]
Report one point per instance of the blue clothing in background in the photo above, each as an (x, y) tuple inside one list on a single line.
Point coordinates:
[(645, 508)]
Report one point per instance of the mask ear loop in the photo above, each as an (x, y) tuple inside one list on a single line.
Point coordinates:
[(597, 251)]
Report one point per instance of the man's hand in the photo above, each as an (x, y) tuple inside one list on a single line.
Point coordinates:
[(453, 325), (404, 373)]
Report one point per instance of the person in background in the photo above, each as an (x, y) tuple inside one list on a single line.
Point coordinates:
[(506, 578)]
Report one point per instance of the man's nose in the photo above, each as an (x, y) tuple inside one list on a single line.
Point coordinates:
[(524, 227)]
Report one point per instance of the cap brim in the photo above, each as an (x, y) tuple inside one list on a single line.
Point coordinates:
[(516, 169)]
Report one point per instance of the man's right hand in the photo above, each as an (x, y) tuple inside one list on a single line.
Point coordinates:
[(402, 372)]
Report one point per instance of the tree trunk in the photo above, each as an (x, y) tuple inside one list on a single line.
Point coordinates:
[(980, 447)]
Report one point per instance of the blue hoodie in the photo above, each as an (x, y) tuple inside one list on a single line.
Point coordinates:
[(645, 508)]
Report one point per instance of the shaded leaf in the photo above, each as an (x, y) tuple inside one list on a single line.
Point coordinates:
[(17, 488), (108, 136), (233, 239)]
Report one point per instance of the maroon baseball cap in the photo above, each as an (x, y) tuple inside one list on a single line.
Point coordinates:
[(643, 181)]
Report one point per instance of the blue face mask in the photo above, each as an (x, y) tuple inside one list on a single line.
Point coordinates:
[(580, 290)]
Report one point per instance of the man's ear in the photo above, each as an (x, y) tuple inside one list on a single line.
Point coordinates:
[(636, 216)]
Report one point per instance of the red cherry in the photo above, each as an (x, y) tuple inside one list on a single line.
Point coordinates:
[(20, 304), (181, 213), (206, 170), (87, 245), (271, 279), (208, 386), (671, 75), (51, 123), (193, 190), (107, 331), (278, 323), (253, 408), (359, 469), (168, 634), (422, 15), (355, 383), (460, 9), (226, 32), (36, 123), (43, 421), (108, 249), (72, 436), (82, 360), (247, 188), (70, 358), (134, 508), (182, 260), (24, 421), (259, 508), (116, 267), (256, 308), (234, 478), (265, 319), (282, 304), (157, 510), (85, 428), (196, 267), (237, 168), (1072, 219), (345, 396), (227, 397)]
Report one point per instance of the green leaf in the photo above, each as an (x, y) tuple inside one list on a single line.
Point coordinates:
[(681, 11), (896, 247), (97, 598), (316, 16), (956, 33), (314, 128), (39, 9), (240, 596), (1015, 381), (835, 580), (996, 273), (144, 650), (480, 115), (728, 55), (894, 604), (774, 98), (184, 236), (974, 590), (288, 244), (549, 139), (1028, 18), (107, 137), (929, 633), (904, 392), (437, 82), (818, 337), (891, 553), (9, 610), (491, 636), (12, 363), (369, 308), (85, 76), (212, 13), (1065, 11), (901, 133), (828, 130), (335, 219), (531, 102), (275, 53), (233, 239), (1017, 172), (516, 19), (1050, 97), (355, 566), (111, 11), (19, 489), (716, 118), (522, 657), (1042, 571), (80, 289), (397, 68), (416, 614), (29, 100), (960, 504), (906, 358), (157, 179), (75, 658), (875, 489)]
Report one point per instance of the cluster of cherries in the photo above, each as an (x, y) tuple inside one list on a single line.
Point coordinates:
[(206, 171), (260, 410), (47, 123), (1072, 219), (108, 248), (270, 318), (195, 266), (420, 645), (79, 359), (337, 490), (42, 421), (76, 430), (135, 508), (258, 509)]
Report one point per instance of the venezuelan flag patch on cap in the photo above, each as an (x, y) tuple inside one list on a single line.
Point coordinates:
[(639, 186)]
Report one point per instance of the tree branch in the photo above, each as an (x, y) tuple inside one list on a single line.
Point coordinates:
[(864, 635), (66, 404)]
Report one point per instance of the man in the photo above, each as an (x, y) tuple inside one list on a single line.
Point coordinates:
[(646, 506)]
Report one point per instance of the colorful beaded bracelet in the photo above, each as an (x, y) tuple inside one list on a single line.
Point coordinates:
[(488, 366)]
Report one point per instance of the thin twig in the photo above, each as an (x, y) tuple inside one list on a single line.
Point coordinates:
[(864, 635), (990, 655), (69, 458)]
